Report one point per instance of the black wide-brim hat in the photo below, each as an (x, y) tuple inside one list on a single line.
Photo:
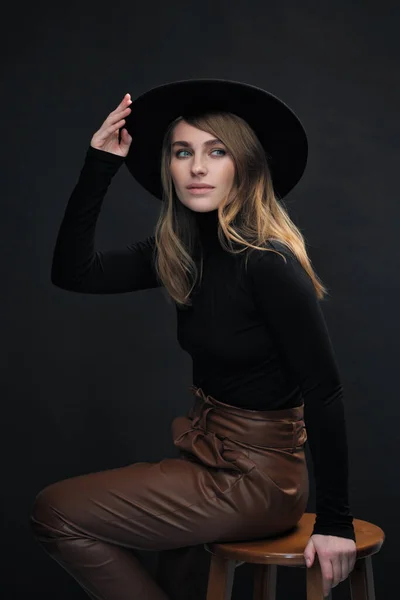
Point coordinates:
[(279, 130)]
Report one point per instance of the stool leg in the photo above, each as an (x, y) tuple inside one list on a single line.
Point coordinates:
[(264, 586), (315, 590), (220, 579), (362, 580)]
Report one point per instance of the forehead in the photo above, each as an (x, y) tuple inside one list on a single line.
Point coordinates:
[(184, 131)]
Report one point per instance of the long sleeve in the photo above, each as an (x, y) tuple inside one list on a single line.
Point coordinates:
[(286, 297), (76, 265)]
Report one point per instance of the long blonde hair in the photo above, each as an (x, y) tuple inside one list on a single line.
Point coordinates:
[(249, 217)]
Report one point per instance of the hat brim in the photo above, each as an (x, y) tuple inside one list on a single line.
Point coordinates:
[(279, 130)]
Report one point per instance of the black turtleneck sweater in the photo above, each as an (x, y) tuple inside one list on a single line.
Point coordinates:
[(257, 336)]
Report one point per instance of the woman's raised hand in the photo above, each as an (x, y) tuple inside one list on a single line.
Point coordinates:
[(107, 137)]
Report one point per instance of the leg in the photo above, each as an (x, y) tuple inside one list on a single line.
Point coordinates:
[(92, 524), (73, 521)]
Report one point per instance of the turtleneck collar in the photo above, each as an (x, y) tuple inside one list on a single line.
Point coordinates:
[(207, 223)]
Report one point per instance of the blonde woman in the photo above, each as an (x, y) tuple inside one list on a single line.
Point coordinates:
[(221, 156)]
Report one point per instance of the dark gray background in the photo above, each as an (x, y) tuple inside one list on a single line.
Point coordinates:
[(93, 382)]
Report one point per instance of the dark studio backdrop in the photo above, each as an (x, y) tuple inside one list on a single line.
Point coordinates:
[(93, 382)]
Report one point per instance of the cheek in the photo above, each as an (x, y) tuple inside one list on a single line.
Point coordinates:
[(230, 175), (175, 171)]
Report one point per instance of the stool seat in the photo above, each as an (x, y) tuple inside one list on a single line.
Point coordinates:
[(287, 549)]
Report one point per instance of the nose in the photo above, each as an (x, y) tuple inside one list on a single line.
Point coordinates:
[(198, 166)]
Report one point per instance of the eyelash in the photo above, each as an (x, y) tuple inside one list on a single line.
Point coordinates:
[(215, 150)]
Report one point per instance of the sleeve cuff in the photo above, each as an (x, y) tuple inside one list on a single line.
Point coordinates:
[(345, 530), (104, 156)]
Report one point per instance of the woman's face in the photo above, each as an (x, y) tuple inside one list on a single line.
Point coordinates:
[(198, 159)]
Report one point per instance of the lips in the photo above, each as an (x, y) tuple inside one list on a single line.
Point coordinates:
[(200, 191), (200, 187)]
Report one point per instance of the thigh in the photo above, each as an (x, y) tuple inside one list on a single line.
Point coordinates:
[(151, 506)]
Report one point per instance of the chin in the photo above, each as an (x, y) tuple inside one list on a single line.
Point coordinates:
[(200, 204)]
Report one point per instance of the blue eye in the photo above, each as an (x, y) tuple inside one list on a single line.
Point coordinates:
[(177, 154)]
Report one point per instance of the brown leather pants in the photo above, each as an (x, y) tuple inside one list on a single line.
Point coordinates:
[(241, 474)]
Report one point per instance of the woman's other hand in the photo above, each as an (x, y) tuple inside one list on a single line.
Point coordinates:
[(336, 556), (107, 137)]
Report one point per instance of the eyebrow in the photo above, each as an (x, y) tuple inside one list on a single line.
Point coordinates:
[(207, 143)]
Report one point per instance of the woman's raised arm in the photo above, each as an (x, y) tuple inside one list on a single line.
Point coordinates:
[(76, 265)]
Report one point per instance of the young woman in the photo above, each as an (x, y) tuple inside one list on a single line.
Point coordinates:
[(221, 155)]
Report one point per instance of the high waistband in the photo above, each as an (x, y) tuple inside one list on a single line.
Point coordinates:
[(284, 428)]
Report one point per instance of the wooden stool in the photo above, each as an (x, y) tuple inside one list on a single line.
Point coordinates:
[(287, 550)]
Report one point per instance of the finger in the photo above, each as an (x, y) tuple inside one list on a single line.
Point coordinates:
[(115, 126), (114, 117), (327, 575), (353, 559), (122, 110), (126, 134), (336, 570), (126, 101), (345, 566)]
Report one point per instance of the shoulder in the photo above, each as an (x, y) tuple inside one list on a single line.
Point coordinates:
[(275, 253), (278, 266)]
